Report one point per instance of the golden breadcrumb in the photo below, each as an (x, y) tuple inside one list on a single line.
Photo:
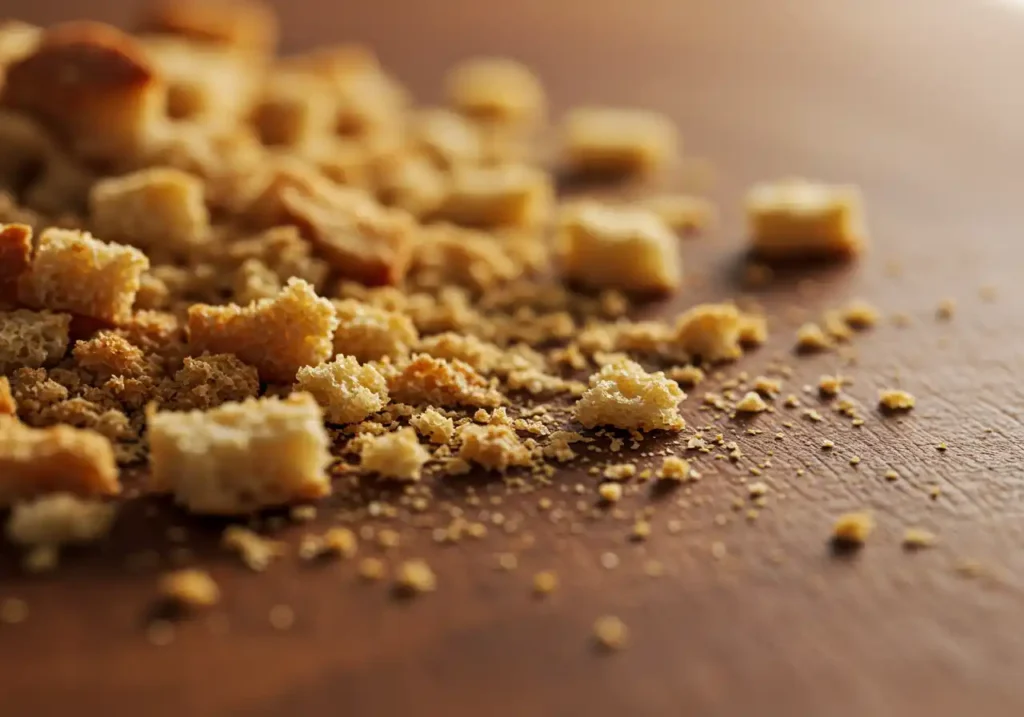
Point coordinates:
[(347, 391), (610, 632), (398, 455), (545, 582), (859, 314), (852, 529), (892, 399), (810, 338), (37, 461), (751, 403), (370, 333), (205, 382), (256, 551), (73, 272), (506, 195), (618, 141), (278, 336), (623, 395), (494, 447), (918, 539), (414, 577), (610, 492), (434, 426), (830, 385), (795, 218), (766, 386), (432, 381), (623, 248), (190, 588), (674, 468), (30, 339), (336, 542), (59, 519), (710, 332), (240, 457)]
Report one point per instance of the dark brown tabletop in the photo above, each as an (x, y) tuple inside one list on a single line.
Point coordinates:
[(918, 102)]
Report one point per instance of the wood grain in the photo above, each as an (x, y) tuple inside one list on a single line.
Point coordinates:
[(918, 101)]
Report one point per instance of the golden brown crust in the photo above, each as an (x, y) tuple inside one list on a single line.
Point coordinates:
[(35, 461), (15, 257), (8, 406), (243, 24), (92, 85)]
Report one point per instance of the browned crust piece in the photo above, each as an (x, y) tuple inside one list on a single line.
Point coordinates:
[(15, 258), (37, 461), (8, 406), (92, 85), (244, 24)]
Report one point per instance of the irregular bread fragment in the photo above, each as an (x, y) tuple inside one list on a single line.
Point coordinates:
[(623, 395)]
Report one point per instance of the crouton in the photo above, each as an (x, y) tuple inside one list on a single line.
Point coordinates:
[(610, 247), (159, 208), (278, 336), (74, 272), (37, 461), (796, 218), (607, 140), (240, 457), (93, 86)]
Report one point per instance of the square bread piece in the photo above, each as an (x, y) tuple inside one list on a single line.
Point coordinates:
[(37, 461), (620, 248), (607, 140), (797, 218), (241, 457), (74, 272), (160, 208)]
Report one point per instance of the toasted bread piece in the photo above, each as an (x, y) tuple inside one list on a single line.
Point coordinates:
[(15, 257), (93, 86), (278, 336), (37, 461), (160, 208), (243, 24), (241, 457), (74, 272)]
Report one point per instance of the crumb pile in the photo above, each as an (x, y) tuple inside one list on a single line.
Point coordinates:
[(264, 280)]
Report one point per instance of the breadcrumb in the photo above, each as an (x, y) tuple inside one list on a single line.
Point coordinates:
[(347, 391), (810, 338), (859, 314), (189, 588), (710, 331), (31, 339), (427, 380), (610, 492), (335, 542), (545, 583), (751, 403), (918, 539), (891, 399), (852, 529), (398, 455), (371, 333), (434, 426), (606, 140), (494, 447), (414, 577), (610, 632), (674, 468), (256, 551), (623, 395), (59, 519)]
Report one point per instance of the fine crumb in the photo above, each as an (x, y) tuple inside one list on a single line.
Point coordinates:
[(751, 403), (256, 551), (414, 577), (437, 382), (768, 387), (372, 569), (918, 539), (398, 455), (810, 338), (851, 530), (830, 385), (610, 492), (59, 519), (674, 468), (189, 589), (859, 314), (891, 399), (335, 542), (610, 632), (545, 582), (623, 395)]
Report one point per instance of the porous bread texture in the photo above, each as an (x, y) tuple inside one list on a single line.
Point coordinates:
[(241, 457), (623, 395)]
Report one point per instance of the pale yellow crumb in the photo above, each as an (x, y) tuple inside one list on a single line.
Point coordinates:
[(610, 492), (768, 387), (830, 385), (751, 403), (397, 456), (610, 632), (372, 569), (896, 400), (545, 582), (918, 538), (811, 338), (859, 314), (189, 588), (641, 531), (414, 577), (335, 542), (674, 468), (853, 529), (255, 550)]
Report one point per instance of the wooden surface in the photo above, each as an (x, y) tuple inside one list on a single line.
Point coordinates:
[(919, 102)]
